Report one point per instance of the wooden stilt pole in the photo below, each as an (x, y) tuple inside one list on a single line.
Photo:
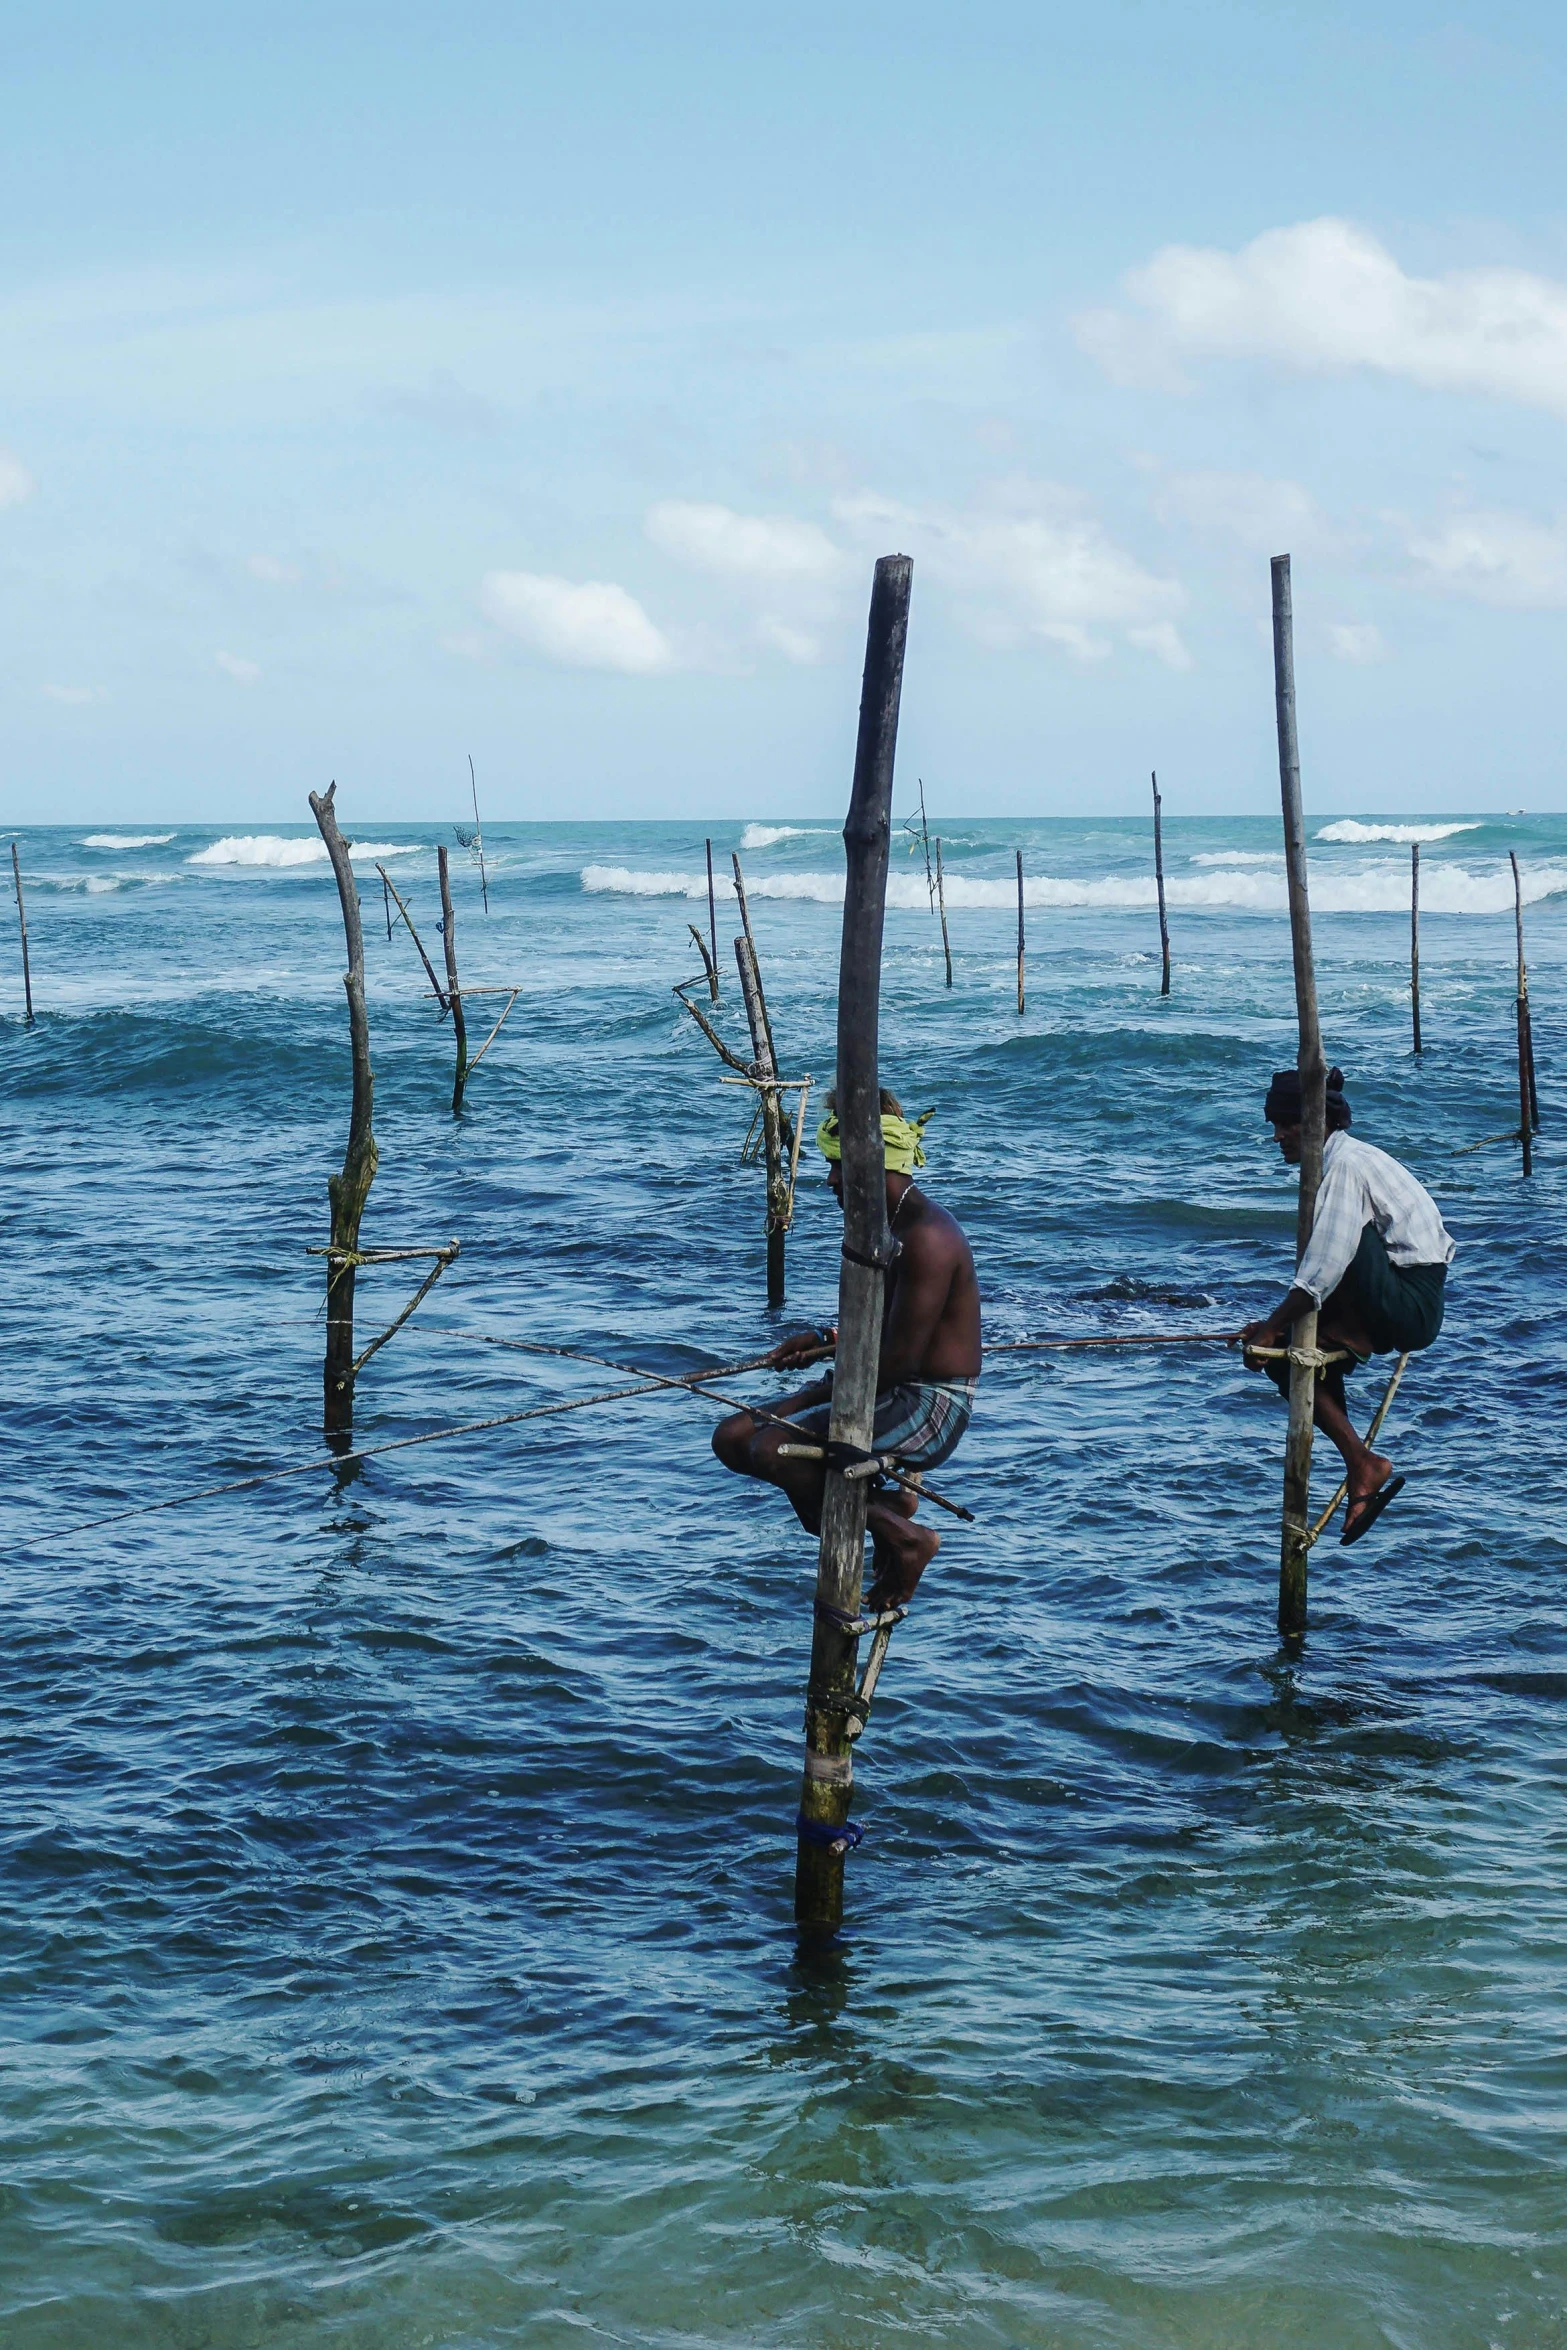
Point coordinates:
[(21, 916), (453, 989), (1295, 1544), (941, 900), (1527, 1117), (1414, 937), (750, 939), (766, 1068), (348, 1191), (712, 927), (1020, 930), (1158, 874), (829, 1772)]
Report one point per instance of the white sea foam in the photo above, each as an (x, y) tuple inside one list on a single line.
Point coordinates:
[(127, 840), (766, 836), (270, 849), (1239, 857), (1347, 829), (1379, 889)]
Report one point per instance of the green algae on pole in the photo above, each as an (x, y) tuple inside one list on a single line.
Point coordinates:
[(1295, 1543), (825, 1833), (349, 1191), (1158, 874), (453, 989)]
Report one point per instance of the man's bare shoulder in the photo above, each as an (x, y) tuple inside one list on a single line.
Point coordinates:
[(935, 1234)]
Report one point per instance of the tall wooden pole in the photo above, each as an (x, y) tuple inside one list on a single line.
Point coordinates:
[(1528, 1113), (1020, 930), (712, 927), (766, 1067), (21, 915), (941, 900), (348, 1191), (1414, 936), (1295, 1544), (829, 1772), (1158, 873), (750, 939), (453, 989)]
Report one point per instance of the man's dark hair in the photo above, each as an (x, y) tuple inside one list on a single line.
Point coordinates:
[(1282, 1107), (891, 1107)]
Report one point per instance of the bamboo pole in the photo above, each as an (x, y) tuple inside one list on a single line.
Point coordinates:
[(712, 928), (1158, 873), (1414, 937), (766, 1068), (827, 1786), (941, 900), (1295, 1544), (349, 1191), (21, 916), (1020, 930), (453, 989)]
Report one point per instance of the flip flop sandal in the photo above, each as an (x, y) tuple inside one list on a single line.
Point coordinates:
[(1370, 1510)]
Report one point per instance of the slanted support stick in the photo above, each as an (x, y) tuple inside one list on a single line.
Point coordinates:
[(21, 916), (750, 940), (829, 1771), (1158, 872), (712, 928), (453, 989), (941, 900), (389, 890), (1414, 937), (765, 1067), (1295, 1543), (349, 1191), (1020, 930)]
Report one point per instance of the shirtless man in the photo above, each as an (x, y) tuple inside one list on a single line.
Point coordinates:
[(1375, 1267), (928, 1371)]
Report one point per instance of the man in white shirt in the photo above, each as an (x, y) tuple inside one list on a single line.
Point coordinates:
[(1375, 1267)]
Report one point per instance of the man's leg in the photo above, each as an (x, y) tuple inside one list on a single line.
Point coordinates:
[(1367, 1471), (902, 1551)]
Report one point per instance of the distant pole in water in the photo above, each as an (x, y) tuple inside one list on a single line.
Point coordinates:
[(1020, 930), (1295, 1544), (825, 1830), (453, 990), (941, 900), (765, 1065), (478, 836), (712, 927), (348, 1191), (930, 881), (1414, 937), (21, 916), (1528, 1107), (1158, 871)]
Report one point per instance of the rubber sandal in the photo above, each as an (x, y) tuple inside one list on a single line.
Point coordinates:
[(1370, 1510)]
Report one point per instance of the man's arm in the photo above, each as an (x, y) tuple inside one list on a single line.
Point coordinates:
[(1336, 1225), (925, 1271)]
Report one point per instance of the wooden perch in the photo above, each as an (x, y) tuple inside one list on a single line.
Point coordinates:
[(349, 1191), (453, 990)]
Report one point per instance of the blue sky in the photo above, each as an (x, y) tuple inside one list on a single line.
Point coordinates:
[(376, 389)]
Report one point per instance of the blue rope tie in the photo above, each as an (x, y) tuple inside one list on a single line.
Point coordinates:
[(817, 1832)]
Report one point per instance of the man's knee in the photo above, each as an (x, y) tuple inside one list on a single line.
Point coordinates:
[(732, 1441)]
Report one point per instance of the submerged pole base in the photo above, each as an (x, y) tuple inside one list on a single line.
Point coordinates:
[(818, 1892), (1293, 1554), (775, 1268)]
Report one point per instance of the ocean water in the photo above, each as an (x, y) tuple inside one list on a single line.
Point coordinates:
[(397, 1859)]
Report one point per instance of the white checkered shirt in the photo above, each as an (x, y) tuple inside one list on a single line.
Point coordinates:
[(1362, 1185)]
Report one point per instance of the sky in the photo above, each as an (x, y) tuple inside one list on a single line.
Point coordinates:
[(383, 386)]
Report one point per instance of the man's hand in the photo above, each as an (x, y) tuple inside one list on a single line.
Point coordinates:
[(803, 1346), (1266, 1333)]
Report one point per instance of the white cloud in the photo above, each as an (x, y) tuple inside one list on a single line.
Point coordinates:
[(1496, 558), (274, 573), (74, 696), (1034, 562), (1360, 642), (234, 665), (1257, 512), (773, 548), (583, 624), (1326, 296), (16, 483), (795, 644)]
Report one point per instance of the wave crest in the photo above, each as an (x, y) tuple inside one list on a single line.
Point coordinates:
[(270, 851), (765, 836), (1348, 829), (127, 840)]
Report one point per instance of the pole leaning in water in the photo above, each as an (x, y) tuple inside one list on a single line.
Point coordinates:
[(1158, 874), (712, 928), (348, 1191), (453, 990), (766, 1068), (1020, 930), (1295, 1542), (825, 1793), (1414, 937), (21, 916)]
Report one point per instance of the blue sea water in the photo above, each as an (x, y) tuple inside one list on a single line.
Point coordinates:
[(397, 1860)]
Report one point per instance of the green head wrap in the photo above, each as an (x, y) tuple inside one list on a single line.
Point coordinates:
[(902, 1141)]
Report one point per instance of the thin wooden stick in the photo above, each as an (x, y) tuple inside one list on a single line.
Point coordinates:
[(21, 916), (1015, 1346), (711, 957), (1525, 1105), (443, 1258), (708, 965), (453, 990), (1372, 1433), (386, 900), (1294, 1547), (348, 1191), (930, 881), (750, 940), (389, 885), (765, 1067), (1020, 930), (478, 836), (511, 998), (1414, 936), (709, 1031), (941, 900), (1158, 870)]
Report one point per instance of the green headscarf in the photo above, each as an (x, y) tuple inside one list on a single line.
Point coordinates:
[(902, 1141)]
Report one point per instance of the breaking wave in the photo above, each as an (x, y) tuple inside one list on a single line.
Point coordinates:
[(271, 850), (1348, 829), (127, 840), (1239, 857), (765, 836), (1446, 889)]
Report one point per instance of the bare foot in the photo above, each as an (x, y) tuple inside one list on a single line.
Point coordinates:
[(1364, 1481), (902, 1553)]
